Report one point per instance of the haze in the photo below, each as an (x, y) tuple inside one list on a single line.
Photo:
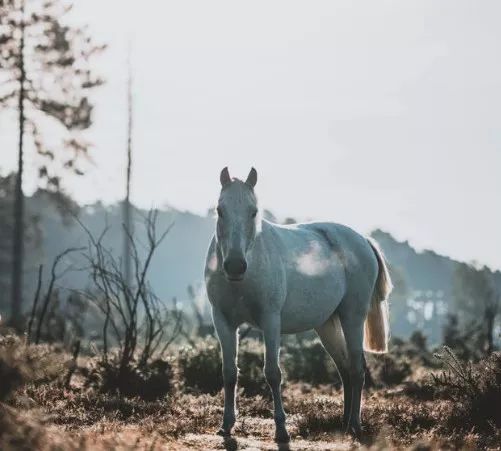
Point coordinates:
[(374, 114)]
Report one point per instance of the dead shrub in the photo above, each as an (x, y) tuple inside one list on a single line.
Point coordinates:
[(137, 327)]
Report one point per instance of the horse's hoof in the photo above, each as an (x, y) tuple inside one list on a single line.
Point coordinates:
[(224, 432), (282, 437)]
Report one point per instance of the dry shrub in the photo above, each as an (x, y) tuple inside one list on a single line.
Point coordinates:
[(388, 370), (189, 414), (150, 381), (201, 368), (20, 364), (422, 389), (309, 362), (415, 350), (475, 390), (257, 406), (18, 433), (317, 419), (396, 418), (251, 377), (405, 418), (316, 412)]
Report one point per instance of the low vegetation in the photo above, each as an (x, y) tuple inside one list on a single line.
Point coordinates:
[(177, 403)]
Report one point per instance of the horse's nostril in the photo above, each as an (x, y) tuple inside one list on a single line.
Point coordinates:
[(235, 266)]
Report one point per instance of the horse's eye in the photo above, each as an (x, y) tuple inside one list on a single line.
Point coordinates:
[(254, 213), (219, 212)]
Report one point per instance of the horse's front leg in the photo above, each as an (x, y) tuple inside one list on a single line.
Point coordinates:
[(271, 332), (227, 335)]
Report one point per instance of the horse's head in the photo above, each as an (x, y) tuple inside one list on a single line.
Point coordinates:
[(237, 222)]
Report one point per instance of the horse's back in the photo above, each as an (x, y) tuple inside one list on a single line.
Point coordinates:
[(340, 243), (325, 262)]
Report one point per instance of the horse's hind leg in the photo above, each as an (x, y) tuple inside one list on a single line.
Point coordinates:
[(352, 318), (332, 337)]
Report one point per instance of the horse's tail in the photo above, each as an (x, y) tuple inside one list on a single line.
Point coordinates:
[(377, 326)]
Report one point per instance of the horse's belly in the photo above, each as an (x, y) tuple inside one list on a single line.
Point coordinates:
[(310, 303)]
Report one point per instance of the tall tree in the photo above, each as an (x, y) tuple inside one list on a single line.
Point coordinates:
[(7, 184), (46, 76), (127, 212)]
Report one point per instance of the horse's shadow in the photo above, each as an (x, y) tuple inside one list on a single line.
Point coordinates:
[(231, 444), (367, 438)]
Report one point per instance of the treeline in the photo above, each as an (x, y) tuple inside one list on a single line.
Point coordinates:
[(432, 293)]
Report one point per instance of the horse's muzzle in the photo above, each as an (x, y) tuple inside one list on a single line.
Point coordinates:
[(234, 268)]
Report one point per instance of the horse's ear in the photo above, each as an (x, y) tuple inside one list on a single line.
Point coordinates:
[(225, 177), (252, 178)]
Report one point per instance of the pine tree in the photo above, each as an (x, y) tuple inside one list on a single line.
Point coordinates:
[(45, 77)]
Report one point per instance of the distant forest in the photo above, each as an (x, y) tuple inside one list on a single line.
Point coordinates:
[(429, 288)]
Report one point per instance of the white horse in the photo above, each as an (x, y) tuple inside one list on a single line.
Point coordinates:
[(289, 279)]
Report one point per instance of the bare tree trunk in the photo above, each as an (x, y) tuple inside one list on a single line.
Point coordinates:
[(35, 305), (18, 238), (72, 365), (127, 220), (48, 296), (489, 320)]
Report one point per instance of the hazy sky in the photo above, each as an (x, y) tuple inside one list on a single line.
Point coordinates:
[(371, 113)]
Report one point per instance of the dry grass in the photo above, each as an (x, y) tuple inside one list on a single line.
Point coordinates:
[(182, 419), (42, 414)]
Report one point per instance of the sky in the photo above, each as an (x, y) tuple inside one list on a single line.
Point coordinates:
[(370, 113)]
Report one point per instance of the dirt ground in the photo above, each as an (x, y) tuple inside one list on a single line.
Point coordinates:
[(132, 438), (392, 420)]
